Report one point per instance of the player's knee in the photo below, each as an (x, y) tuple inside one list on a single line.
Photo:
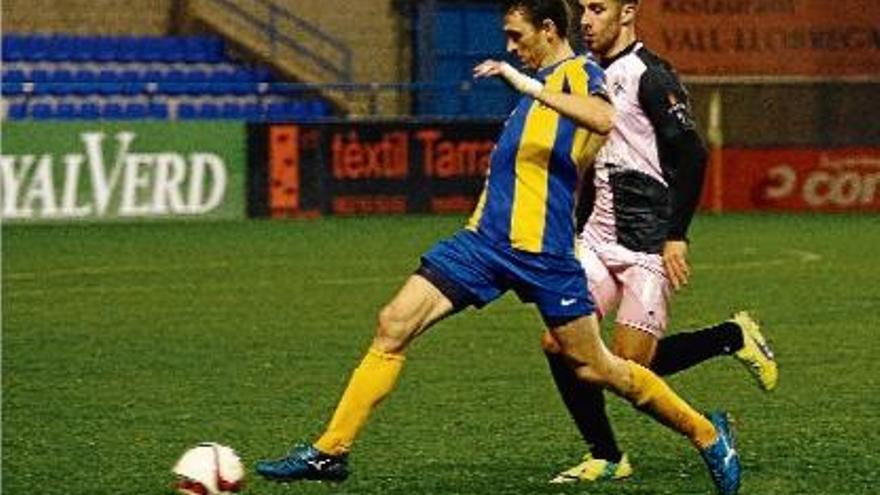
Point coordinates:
[(390, 331), (595, 370), (594, 375), (550, 344)]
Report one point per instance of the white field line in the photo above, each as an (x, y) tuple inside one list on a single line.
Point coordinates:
[(145, 289), (786, 257), (108, 270)]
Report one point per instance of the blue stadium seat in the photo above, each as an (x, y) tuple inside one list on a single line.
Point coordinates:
[(318, 108), (108, 82), (298, 109), (262, 74), (230, 110), (131, 75), (42, 111), (148, 49), (157, 111), (196, 82), (136, 111), (85, 82), (173, 75), (84, 49), (13, 75), (140, 48), (41, 80), (12, 48), (130, 82), (60, 48), (90, 111), (36, 48), (240, 88), (172, 49), (107, 49), (61, 75), (17, 111), (220, 75), (186, 111), (244, 75), (59, 82), (209, 111), (194, 51), (276, 111), (201, 49), (218, 82), (128, 49), (40, 76), (172, 82), (113, 111), (11, 88), (197, 75), (152, 76), (132, 88), (251, 112), (67, 111)]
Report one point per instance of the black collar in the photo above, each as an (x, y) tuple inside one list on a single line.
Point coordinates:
[(605, 63)]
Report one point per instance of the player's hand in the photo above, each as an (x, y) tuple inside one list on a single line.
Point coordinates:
[(519, 81), (676, 264)]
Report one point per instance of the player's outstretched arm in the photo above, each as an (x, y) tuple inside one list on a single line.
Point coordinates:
[(519, 81), (594, 113)]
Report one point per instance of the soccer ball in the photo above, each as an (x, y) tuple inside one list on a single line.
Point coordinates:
[(209, 469)]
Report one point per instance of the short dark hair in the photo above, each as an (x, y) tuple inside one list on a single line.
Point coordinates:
[(557, 11)]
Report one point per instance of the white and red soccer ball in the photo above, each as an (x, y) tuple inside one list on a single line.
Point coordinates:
[(209, 469)]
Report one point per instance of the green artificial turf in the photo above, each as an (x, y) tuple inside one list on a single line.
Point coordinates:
[(125, 344)]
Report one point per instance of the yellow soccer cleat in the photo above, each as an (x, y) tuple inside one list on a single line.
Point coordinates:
[(591, 469), (756, 353)]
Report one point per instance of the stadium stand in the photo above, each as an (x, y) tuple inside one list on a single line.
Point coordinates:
[(67, 77)]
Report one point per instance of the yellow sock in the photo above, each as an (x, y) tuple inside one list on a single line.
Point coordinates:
[(651, 394), (371, 381)]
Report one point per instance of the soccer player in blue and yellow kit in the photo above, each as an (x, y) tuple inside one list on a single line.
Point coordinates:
[(521, 237)]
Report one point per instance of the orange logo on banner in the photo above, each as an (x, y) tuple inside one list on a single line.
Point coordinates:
[(283, 169), (765, 37)]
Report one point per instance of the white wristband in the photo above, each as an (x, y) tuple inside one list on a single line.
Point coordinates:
[(521, 82)]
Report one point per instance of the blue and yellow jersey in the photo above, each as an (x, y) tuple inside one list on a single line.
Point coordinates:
[(528, 200)]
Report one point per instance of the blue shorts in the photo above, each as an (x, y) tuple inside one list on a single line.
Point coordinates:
[(469, 270)]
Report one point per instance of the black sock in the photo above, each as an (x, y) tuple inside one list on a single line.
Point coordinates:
[(586, 404), (683, 350)]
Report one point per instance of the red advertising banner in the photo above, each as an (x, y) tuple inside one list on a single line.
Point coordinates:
[(377, 167), (365, 168), (829, 180), (765, 37)]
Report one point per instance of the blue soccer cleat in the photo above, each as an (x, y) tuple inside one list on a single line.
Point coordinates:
[(305, 462), (722, 458)]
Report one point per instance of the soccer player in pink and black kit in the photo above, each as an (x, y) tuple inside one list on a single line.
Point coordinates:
[(648, 180)]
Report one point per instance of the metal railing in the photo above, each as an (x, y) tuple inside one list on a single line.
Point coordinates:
[(324, 50), (386, 100)]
